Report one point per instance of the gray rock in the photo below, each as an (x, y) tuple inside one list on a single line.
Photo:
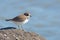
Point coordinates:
[(15, 34)]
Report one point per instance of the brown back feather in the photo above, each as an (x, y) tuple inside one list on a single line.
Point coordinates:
[(19, 18)]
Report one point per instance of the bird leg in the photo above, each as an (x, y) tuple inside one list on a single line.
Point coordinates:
[(20, 27)]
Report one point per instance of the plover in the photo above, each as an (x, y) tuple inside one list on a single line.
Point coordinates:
[(21, 19)]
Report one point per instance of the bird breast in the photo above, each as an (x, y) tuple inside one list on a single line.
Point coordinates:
[(26, 21), (21, 23)]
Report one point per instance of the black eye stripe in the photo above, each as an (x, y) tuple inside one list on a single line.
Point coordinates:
[(26, 14)]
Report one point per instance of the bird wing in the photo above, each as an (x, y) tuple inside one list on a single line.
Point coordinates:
[(19, 18)]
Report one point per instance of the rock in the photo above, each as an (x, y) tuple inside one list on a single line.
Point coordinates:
[(16, 34)]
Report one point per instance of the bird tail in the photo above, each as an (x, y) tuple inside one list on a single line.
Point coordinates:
[(8, 19)]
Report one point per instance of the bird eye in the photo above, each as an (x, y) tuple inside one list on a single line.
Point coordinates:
[(26, 14)]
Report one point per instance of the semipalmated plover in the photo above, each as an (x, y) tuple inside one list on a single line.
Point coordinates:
[(21, 19)]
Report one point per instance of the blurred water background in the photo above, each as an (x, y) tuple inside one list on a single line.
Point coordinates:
[(45, 18)]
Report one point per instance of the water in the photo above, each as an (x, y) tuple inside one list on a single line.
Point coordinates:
[(45, 18)]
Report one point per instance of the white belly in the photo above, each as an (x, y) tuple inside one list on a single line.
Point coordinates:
[(21, 23), (26, 21)]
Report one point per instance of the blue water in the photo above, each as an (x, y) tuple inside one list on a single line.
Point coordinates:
[(45, 18)]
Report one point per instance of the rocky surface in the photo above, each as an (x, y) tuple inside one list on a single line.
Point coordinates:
[(15, 34)]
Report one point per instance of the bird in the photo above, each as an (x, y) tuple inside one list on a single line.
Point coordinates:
[(20, 19)]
